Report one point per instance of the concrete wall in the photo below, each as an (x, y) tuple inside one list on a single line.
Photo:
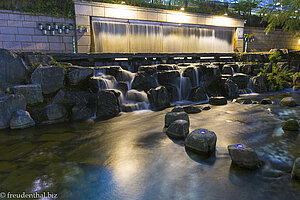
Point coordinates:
[(84, 11), (274, 40), (19, 31)]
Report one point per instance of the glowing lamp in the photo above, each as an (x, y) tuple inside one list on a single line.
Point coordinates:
[(182, 9), (239, 145), (203, 132)]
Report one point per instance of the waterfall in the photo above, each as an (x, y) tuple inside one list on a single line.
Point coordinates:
[(154, 37), (197, 76), (184, 86)]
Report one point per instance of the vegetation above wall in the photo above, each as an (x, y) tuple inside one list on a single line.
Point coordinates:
[(58, 8)]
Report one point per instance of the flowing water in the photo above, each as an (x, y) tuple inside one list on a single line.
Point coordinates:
[(133, 36), (129, 157)]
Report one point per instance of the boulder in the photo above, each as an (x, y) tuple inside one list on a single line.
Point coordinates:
[(78, 74), (37, 58), (191, 73), (201, 141), (258, 84), (231, 89), (123, 87), (172, 92), (173, 116), (108, 104), (158, 98), (217, 101), (163, 67), (177, 109), (178, 129), (243, 101), (241, 80), (208, 75), (136, 96), (144, 81), (227, 69), (51, 78), (49, 114), (191, 109), (291, 125), (296, 169), (266, 101), (81, 112), (206, 108), (243, 156), (21, 119), (151, 69), (198, 94), (119, 73), (31, 92), (288, 101), (12, 68), (97, 83), (168, 77), (8, 105), (130, 107)]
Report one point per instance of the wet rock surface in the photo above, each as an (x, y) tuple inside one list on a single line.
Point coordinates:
[(296, 169), (21, 119), (218, 101), (158, 98), (291, 125), (243, 156), (173, 116), (178, 129), (288, 101)]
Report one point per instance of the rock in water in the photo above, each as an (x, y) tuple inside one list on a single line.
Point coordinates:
[(259, 84), (191, 109), (244, 101), (296, 169), (243, 156), (241, 80), (51, 78), (32, 93), (198, 94), (130, 107), (201, 141), (173, 116), (291, 125), (108, 104), (177, 109), (12, 68), (158, 98), (231, 89), (178, 129), (8, 105), (144, 81), (227, 69), (21, 119), (81, 112), (266, 101), (288, 101), (78, 74), (218, 101)]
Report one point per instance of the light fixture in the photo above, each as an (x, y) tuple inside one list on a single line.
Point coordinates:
[(239, 145), (123, 2), (226, 14), (182, 9), (203, 132)]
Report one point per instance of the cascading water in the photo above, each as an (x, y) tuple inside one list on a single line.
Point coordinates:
[(116, 36), (184, 85)]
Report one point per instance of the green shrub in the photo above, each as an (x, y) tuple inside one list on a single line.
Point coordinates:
[(275, 57)]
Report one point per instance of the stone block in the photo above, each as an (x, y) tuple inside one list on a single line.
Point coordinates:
[(26, 31), (24, 38), (4, 16), (84, 40), (55, 39), (14, 23), (7, 38), (31, 18), (30, 24), (39, 38), (12, 45), (45, 19), (57, 47), (16, 17), (8, 30), (67, 39), (98, 11), (83, 10), (3, 22), (83, 49), (83, 20), (29, 46), (42, 46)]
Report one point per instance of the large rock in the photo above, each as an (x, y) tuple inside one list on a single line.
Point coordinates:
[(227, 69), (162, 67), (130, 107), (123, 87), (8, 105), (144, 81), (78, 74), (198, 94), (12, 68), (191, 109), (172, 92), (97, 83), (136, 96), (201, 141), (51, 78), (108, 104), (243, 156), (158, 98), (168, 77), (266, 101), (119, 73), (81, 112), (49, 114), (32, 93), (217, 101), (291, 125), (231, 89), (151, 69), (259, 84), (177, 109), (173, 116), (179, 129), (241, 80), (37, 58), (21, 119), (208, 75), (192, 73), (296, 169), (288, 101)]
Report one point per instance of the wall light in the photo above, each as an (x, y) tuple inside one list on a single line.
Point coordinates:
[(123, 2), (182, 9), (225, 14)]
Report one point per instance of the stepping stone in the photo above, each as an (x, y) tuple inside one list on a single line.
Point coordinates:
[(173, 116), (201, 141), (244, 157), (191, 109), (266, 101), (179, 129), (291, 125), (217, 101)]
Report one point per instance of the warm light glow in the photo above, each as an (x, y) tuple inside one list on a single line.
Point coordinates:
[(121, 59), (225, 14), (299, 41), (182, 9), (123, 2), (120, 11), (222, 21)]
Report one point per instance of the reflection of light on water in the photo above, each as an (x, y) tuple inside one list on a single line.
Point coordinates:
[(277, 132)]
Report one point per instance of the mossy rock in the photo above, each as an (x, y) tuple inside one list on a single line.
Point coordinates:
[(291, 125), (7, 166), (56, 137)]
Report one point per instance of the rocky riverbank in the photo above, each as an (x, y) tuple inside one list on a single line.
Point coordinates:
[(37, 90)]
